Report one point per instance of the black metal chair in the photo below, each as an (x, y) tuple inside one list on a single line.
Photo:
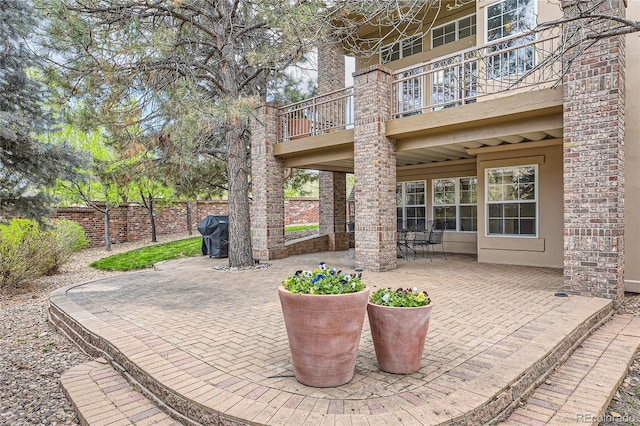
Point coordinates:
[(404, 243), (436, 237), (421, 241)]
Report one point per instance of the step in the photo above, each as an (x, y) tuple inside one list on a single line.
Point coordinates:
[(580, 390), (102, 396)]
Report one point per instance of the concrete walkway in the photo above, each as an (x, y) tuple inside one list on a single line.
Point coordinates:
[(210, 346)]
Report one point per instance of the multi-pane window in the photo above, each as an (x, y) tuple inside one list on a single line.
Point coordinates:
[(409, 95), (453, 31), (411, 203), (453, 84), (468, 204), (506, 19), (512, 200), (510, 17), (401, 49), (455, 203)]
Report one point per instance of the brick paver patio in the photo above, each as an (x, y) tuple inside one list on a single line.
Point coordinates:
[(212, 344)]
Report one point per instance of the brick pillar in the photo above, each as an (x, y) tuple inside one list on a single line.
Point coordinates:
[(267, 179), (375, 171), (333, 209), (333, 185), (594, 167)]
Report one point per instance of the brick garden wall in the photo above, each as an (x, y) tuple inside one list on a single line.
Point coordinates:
[(130, 222), (301, 211)]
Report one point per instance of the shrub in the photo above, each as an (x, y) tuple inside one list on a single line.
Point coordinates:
[(27, 251), (66, 238), (21, 252)]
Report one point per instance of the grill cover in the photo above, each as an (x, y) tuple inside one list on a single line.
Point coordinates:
[(215, 236)]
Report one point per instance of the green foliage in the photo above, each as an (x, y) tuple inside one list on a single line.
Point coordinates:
[(323, 280), (28, 251), (146, 257), (66, 238), (27, 166), (400, 298), (21, 252)]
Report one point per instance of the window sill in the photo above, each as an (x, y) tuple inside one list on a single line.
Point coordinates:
[(512, 243)]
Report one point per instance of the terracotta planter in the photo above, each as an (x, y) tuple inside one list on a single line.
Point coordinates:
[(298, 128), (324, 333), (398, 336)]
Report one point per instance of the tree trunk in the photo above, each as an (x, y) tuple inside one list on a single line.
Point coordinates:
[(189, 219), (107, 229), (152, 219), (240, 253)]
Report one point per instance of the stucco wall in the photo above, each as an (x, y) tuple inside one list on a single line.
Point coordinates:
[(632, 157), (547, 248)]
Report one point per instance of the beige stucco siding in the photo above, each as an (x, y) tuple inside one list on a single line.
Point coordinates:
[(632, 156), (547, 248)]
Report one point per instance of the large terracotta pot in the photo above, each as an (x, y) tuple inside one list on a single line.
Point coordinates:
[(324, 333), (398, 336)]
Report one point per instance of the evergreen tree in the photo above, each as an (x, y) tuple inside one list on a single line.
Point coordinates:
[(27, 166)]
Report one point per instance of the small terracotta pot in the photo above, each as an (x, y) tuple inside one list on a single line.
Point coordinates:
[(398, 336), (324, 333)]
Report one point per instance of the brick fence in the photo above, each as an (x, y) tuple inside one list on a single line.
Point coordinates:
[(130, 222)]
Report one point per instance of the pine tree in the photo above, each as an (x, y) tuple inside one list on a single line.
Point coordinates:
[(27, 165)]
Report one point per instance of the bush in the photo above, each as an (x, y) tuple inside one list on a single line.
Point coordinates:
[(66, 238), (21, 252), (27, 251)]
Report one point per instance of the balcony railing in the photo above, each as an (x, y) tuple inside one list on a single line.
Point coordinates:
[(464, 77), (315, 116), (505, 66)]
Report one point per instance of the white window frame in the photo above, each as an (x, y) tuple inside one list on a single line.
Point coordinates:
[(535, 201), (486, 21), (401, 46), (457, 29), (457, 204), (403, 204)]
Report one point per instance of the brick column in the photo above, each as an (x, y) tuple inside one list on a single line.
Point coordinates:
[(333, 185), (267, 179), (375, 171), (594, 121), (333, 209)]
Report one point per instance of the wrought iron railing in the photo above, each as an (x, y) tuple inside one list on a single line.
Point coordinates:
[(506, 66), (510, 64), (315, 116)]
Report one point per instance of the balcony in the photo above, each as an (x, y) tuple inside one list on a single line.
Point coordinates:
[(321, 114), (506, 67)]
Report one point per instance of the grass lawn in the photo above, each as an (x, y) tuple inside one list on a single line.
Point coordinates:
[(146, 257)]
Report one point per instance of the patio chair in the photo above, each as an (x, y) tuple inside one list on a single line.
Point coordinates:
[(421, 241), (436, 237), (404, 244)]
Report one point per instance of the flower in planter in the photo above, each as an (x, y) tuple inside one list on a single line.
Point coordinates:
[(400, 298), (323, 280)]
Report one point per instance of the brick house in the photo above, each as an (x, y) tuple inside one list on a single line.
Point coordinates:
[(458, 123)]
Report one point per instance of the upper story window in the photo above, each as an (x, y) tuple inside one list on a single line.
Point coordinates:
[(512, 201), (506, 19), (455, 203), (510, 17), (401, 49), (453, 31)]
